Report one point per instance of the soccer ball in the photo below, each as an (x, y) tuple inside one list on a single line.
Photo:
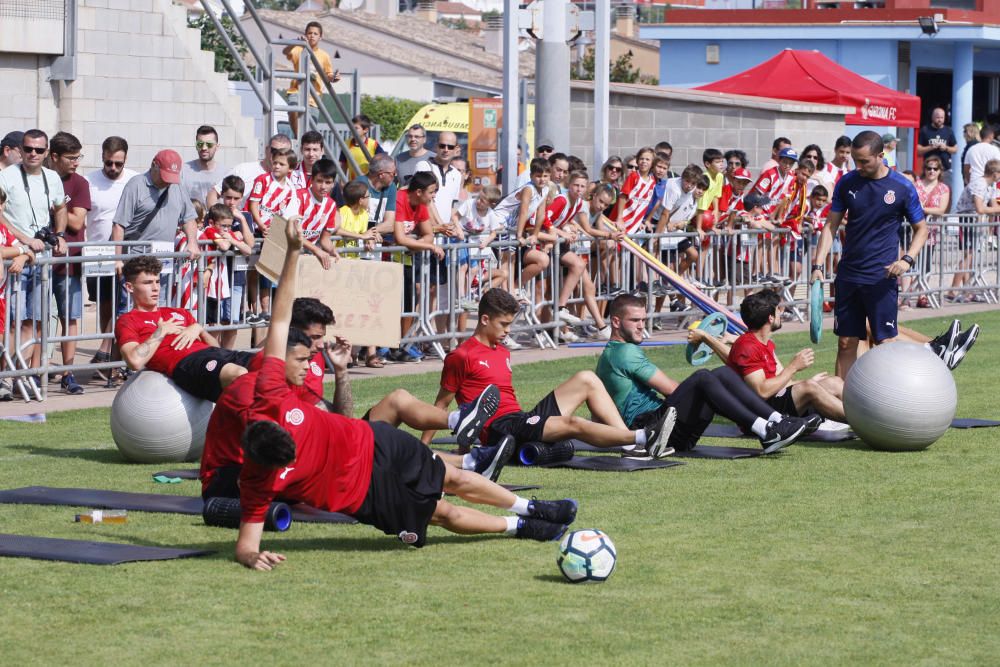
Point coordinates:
[(587, 556)]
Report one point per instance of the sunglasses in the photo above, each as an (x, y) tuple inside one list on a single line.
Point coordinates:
[(932, 168), (614, 167), (448, 147), (34, 149), (204, 144), (633, 166), (114, 163)]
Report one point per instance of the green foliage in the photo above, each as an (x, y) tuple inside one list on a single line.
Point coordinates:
[(621, 70), (391, 113), (280, 5), (225, 62)]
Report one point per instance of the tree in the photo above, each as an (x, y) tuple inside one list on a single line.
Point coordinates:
[(622, 70), (391, 113), (225, 62)]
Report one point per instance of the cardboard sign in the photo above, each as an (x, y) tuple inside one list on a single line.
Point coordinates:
[(366, 296)]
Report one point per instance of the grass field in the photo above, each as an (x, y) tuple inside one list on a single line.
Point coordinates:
[(821, 555)]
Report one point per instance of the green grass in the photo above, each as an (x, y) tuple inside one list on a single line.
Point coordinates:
[(822, 555)]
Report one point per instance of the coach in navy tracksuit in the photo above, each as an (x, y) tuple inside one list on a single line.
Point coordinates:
[(876, 200)]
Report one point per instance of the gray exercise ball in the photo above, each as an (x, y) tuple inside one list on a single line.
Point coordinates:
[(900, 397), (155, 421)]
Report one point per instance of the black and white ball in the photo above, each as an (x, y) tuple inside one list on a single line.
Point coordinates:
[(587, 556)]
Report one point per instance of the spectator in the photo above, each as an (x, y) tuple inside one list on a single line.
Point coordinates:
[(65, 154), (814, 154), (708, 206), (736, 159), (19, 256), (36, 203), (448, 178), (362, 126), (524, 213), (318, 211), (935, 195), (544, 149), (381, 181), (978, 198), (890, 141), (225, 234), (480, 224), (840, 164), (678, 206), (233, 188), (779, 144), (10, 149), (661, 171), (937, 140), (416, 139), (313, 34), (461, 165), (636, 193), (980, 154), (559, 164), (249, 171), (201, 174), (611, 174), (311, 148), (971, 133), (106, 187)]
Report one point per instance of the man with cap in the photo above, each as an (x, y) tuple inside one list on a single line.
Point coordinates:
[(773, 183), (889, 142), (544, 149), (10, 149), (152, 207)]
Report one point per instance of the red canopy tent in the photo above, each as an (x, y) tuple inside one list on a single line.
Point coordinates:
[(809, 76)]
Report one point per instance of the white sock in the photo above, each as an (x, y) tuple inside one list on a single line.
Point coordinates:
[(520, 506), (759, 427), (775, 417), (511, 525), (640, 436), (468, 463), (453, 419)]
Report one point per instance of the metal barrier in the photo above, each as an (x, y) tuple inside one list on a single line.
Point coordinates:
[(960, 262)]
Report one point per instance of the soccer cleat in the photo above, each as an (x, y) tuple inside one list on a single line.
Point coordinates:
[(783, 433), (538, 529), (963, 343), (70, 385), (491, 460), (658, 435), (568, 317), (472, 416), (568, 336), (553, 511)]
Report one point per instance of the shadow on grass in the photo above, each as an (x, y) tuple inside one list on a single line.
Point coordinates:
[(97, 455), (551, 579)]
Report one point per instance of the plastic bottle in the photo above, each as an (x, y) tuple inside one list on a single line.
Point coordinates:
[(103, 516)]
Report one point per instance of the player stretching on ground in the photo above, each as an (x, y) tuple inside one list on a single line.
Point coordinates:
[(635, 382), (372, 471), (481, 361)]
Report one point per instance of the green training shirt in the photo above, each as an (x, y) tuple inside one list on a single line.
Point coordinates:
[(625, 371)]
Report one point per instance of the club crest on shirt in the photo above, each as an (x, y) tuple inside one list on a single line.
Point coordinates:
[(295, 417), (533, 419), (406, 537), (890, 197), (210, 366), (314, 367)]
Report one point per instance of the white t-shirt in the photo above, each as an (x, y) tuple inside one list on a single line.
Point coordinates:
[(449, 187), (977, 157), (20, 202), (477, 227), (248, 171), (977, 187), (104, 197), (678, 205)]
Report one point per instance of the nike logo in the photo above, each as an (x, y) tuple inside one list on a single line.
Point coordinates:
[(284, 473), (589, 538), (484, 363)]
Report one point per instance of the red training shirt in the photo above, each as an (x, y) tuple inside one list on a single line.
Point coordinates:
[(471, 367), (138, 325), (311, 390), (749, 355), (223, 437)]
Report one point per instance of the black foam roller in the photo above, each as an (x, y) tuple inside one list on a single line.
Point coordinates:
[(226, 513), (542, 453)]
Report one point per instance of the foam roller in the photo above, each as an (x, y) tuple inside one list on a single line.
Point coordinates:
[(226, 513), (542, 453)]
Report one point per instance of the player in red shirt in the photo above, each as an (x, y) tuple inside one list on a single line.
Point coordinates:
[(482, 360), (169, 341), (381, 475)]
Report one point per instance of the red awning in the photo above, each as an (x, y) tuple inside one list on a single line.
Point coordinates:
[(809, 76)]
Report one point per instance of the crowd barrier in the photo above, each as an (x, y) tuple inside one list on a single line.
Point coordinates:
[(959, 262)]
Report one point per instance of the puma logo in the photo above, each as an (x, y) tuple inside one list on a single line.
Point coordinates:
[(483, 362), (284, 473)]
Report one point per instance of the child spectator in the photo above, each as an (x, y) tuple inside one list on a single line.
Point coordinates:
[(362, 125), (354, 218), (19, 256), (637, 192), (559, 164), (319, 212), (233, 188), (707, 217), (480, 223), (221, 232), (524, 208), (679, 203), (185, 282), (661, 167), (313, 34)]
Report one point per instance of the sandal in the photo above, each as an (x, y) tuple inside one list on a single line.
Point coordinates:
[(375, 362)]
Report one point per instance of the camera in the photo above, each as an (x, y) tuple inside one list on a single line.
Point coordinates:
[(47, 236)]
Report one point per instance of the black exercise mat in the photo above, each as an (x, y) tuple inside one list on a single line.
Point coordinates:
[(968, 422), (713, 452), (83, 551), (733, 431), (142, 502), (613, 463), (188, 473)]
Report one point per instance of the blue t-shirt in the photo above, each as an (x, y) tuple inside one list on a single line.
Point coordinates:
[(875, 211), (658, 188)]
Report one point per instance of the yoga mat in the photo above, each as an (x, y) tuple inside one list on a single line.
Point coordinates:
[(968, 422), (733, 431), (142, 502), (713, 452), (82, 551), (612, 463)]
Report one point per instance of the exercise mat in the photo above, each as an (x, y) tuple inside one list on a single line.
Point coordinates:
[(713, 452), (613, 463), (968, 422), (142, 502), (83, 551), (733, 431)]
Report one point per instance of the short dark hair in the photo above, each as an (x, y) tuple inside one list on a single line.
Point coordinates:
[(235, 183), (64, 142), (758, 307), (843, 141), (819, 191), (557, 156), (218, 212), (738, 154), (314, 24), (307, 311), (362, 120), (421, 181), (868, 139), (354, 192), (498, 302), (621, 302), (576, 164), (206, 129), (539, 165), (267, 444), (711, 154), (776, 144), (288, 154), (703, 182), (35, 133), (692, 172), (663, 147), (754, 200), (141, 264), (114, 144), (311, 137), (324, 168), (298, 337)]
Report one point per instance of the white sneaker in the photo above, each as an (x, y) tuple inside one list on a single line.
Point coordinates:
[(511, 344), (521, 295), (605, 333), (568, 336), (569, 318)]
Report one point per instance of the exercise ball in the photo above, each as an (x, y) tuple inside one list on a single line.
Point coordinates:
[(900, 397), (155, 421)]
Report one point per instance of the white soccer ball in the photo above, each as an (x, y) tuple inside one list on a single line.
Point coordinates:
[(587, 556)]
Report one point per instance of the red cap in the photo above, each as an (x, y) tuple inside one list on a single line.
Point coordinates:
[(169, 163), (742, 173)]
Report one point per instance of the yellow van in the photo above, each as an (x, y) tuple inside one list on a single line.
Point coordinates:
[(452, 117)]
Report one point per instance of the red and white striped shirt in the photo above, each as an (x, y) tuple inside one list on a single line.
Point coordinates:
[(7, 239), (638, 192), (274, 198), (316, 215), (217, 286), (773, 185), (836, 172), (560, 211), (185, 294)]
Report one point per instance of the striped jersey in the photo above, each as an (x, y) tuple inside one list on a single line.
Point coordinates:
[(560, 211), (638, 192), (273, 197), (773, 185), (316, 215)]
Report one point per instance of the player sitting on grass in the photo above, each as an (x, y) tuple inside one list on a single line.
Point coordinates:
[(636, 384), (169, 341), (222, 458), (380, 475), (481, 361)]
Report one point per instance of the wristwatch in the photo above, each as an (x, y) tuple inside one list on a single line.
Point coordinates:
[(818, 267), (908, 260), (61, 235)]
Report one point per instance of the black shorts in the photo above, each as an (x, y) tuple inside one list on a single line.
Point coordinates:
[(225, 483), (407, 483), (525, 426), (784, 403), (688, 428), (102, 287), (684, 244), (198, 373)]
